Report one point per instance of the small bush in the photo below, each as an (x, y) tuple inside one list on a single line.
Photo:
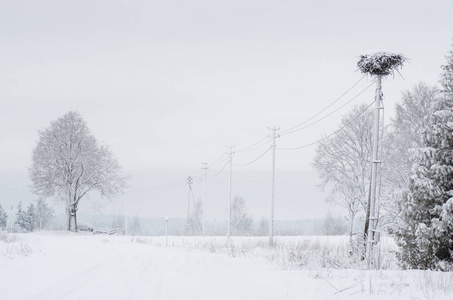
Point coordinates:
[(13, 245)]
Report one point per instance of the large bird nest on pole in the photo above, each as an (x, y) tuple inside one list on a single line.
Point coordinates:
[(380, 63)]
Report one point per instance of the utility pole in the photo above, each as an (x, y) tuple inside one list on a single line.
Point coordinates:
[(230, 195), (125, 216), (271, 221), (373, 235), (11, 223), (189, 182), (205, 168), (166, 231)]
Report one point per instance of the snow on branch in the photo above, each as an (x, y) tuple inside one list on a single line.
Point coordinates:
[(380, 63)]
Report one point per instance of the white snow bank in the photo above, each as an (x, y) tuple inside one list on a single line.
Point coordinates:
[(72, 266)]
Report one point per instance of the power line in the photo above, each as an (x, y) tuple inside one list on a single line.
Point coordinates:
[(256, 146), (242, 182), (164, 187), (335, 132), (329, 114), (262, 142), (199, 181), (256, 183), (198, 176), (254, 159), (218, 160), (249, 147), (335, 101), (223, 168)]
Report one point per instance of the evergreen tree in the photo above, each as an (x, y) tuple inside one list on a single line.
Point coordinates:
[(30, 218), (3, 218), (426, 237), (21, 218), (412, 117)]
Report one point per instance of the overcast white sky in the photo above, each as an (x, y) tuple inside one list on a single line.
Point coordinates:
[(169, 84)]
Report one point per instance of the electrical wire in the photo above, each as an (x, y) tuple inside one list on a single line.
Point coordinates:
[(327, 107), (254, 159), (223, 168), (293, 129), (249, 147), (241, 182), (165, 187), (257, 146), (193, 197), (199, 180), (329, 114), (335, 132), (218, 160), (197, 176)]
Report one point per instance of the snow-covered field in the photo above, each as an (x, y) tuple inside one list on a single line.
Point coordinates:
[(62, 265)]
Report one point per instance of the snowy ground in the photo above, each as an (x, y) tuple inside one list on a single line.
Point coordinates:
[(63, 265)]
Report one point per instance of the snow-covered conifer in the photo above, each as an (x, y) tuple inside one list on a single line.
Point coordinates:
[(21, 218), (426, 237), (30, 218), (404, 133), (3, 218)]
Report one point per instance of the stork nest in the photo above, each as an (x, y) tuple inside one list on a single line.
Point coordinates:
[(380, 63)]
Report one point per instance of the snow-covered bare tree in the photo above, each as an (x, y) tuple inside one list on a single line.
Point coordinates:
[(262, 228), (68, 163), (135, 227), (343, 162), (3, 218), (195, 226), (426, 235), (118, 222), (43, 214), (333, 225), (241, 222)]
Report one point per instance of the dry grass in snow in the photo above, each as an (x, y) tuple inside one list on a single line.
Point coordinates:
[(62, 265)]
